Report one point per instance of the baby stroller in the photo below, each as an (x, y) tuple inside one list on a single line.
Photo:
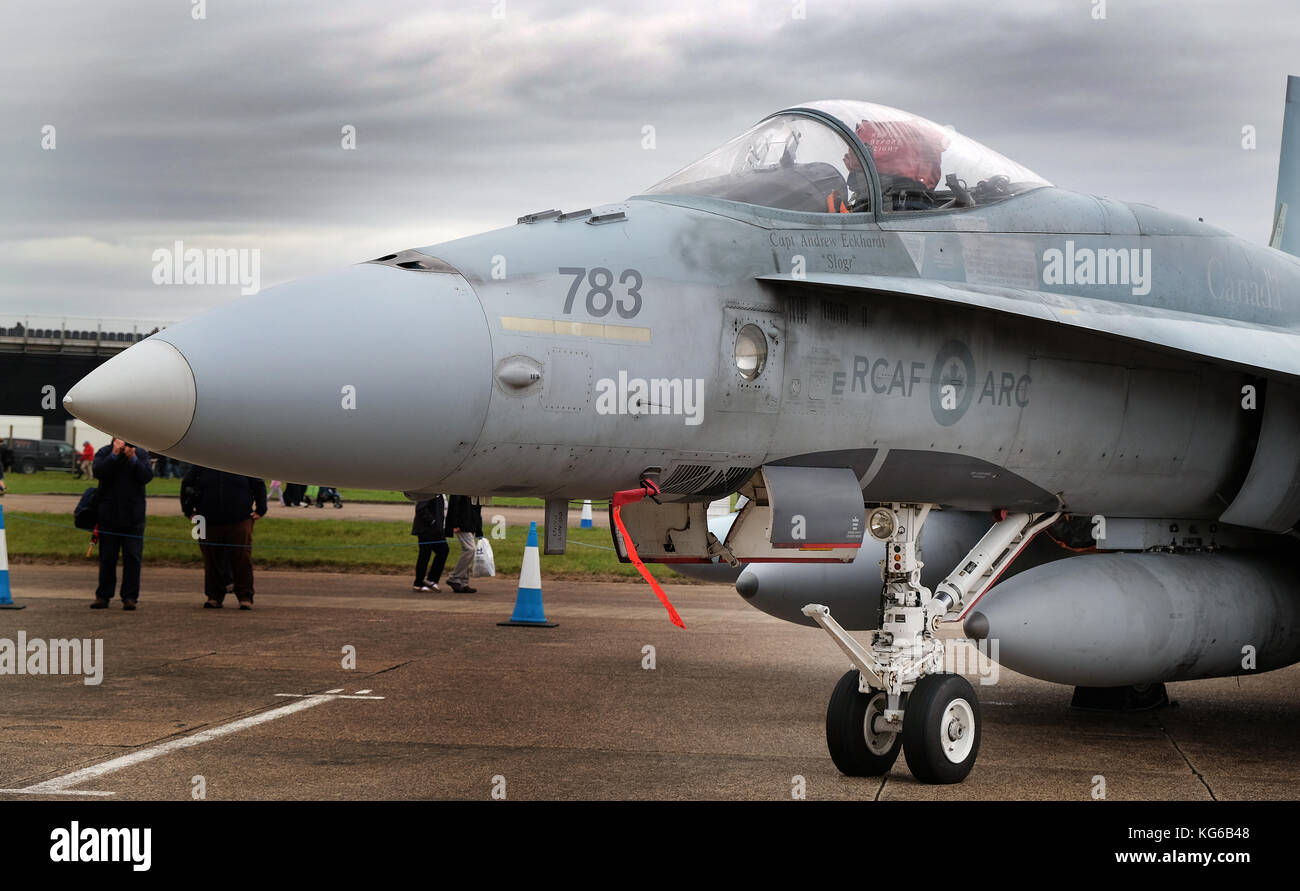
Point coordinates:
[(328, 493)]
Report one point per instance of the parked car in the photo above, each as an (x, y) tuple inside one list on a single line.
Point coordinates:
[(31, 455)]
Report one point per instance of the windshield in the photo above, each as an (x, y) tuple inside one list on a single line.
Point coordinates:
[(788, 162), (923, 166)]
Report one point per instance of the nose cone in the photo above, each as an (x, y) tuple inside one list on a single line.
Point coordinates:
[(144, 395), (375, 377)]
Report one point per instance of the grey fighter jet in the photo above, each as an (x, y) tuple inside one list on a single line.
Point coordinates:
[(860, 320)]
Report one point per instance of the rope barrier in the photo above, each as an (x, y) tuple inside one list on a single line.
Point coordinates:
[(191, 540)]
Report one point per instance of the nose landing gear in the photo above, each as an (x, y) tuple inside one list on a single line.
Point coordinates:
[(901, 675)]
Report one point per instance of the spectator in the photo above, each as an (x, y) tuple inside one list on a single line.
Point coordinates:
[(431, 531), (229, 504), (465, 517), (86, 461), (123, 470)]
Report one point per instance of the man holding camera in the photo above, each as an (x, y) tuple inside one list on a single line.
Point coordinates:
[(123, 470)]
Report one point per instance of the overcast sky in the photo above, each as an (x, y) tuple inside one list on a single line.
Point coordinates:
[(225, 132)]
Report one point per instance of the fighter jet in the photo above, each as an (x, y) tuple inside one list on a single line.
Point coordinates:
[(862, 321)]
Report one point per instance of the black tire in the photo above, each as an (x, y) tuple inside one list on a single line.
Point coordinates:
[(28, 466), (846, 732), (940, 706)]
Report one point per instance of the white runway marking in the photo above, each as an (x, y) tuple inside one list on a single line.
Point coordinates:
[(62, 785)]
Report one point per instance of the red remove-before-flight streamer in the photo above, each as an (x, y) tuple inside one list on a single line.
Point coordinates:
[(631, 496)]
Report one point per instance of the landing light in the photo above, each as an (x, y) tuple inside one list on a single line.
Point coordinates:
[(882, 524)]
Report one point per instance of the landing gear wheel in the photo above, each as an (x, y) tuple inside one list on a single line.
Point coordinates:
[(855, 747), (941, 729)]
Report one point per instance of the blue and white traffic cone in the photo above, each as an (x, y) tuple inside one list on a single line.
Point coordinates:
[(528, 603), (6, 599), (586, 522)]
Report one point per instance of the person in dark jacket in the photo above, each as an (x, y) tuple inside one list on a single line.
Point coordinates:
[(229, 504), (465, 518), (123, 470), (431, 533)]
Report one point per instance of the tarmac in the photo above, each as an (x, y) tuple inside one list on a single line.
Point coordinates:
[(444, 704)]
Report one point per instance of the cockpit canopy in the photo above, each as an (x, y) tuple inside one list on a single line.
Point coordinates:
[(797, 160)]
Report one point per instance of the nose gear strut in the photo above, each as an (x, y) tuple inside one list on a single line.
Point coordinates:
[(901, 692)]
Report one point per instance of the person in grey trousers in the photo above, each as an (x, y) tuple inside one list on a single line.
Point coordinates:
[(465, 519)]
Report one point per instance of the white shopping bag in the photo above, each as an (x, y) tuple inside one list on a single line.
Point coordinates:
[(484, 562)]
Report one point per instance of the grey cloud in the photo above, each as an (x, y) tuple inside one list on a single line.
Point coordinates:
[(229, 128)]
